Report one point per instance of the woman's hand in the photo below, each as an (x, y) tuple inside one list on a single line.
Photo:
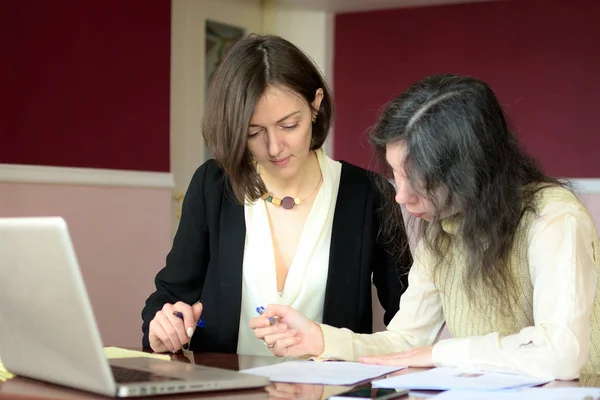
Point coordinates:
[(418, 357), (294, 391), (168, 332), (292, 334)]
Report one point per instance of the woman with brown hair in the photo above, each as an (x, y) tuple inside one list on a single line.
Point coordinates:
[(272, 219)]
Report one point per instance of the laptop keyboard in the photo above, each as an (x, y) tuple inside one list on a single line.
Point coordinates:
[(128, 375)]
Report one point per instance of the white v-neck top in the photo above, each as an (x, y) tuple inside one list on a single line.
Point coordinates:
[(304, 287)]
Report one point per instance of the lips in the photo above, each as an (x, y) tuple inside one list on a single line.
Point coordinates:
[(281, 161)]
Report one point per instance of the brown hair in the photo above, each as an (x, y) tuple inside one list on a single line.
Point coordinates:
[(253, 64)]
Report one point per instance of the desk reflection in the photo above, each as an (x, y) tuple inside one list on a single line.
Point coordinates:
[(22, 388), (288, 391)]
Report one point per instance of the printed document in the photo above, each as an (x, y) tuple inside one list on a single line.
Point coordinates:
[(445, 378), (322, 372)]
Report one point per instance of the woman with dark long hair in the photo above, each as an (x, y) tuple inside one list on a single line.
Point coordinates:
[(507, 256)]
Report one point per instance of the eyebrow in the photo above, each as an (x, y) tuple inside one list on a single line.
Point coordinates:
[(281, 119)]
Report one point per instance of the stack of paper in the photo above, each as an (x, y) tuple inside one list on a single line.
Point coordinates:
[(453, 378), (559, 393), (321, 373)]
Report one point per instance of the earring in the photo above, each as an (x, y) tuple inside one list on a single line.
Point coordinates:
[(314, 118)]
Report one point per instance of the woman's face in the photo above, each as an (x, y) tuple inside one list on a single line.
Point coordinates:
[(280, 131), (415, 203)]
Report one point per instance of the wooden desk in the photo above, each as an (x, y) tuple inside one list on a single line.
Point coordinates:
[(22, 388)]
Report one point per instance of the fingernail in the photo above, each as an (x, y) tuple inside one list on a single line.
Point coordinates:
[(190, 331)]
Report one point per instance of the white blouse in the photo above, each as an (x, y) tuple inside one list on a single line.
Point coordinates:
[(304, 287), (564, 278)]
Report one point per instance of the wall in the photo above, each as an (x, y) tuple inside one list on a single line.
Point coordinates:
[(539, 55), (87, 138), (311, 31), (120, 235), (188, 70), (90, 83), (121, 221)]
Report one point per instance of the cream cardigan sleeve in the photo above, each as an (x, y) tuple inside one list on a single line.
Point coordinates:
[(417, 323), (564, 277)]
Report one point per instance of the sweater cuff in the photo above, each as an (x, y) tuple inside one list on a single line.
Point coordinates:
[(453, 352), (337, 344)]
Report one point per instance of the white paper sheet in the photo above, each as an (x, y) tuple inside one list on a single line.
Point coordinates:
[(454, 378), (561, 393), (324, 373)]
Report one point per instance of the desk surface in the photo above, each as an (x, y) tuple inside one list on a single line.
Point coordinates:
[(21, 388)]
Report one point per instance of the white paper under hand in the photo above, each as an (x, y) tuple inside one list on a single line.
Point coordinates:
[(445, 378), (324, 373)]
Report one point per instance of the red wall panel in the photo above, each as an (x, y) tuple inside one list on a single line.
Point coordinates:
[(542, 57), (90, 84)]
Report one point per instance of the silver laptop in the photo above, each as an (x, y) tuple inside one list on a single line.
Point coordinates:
[(48, 330)]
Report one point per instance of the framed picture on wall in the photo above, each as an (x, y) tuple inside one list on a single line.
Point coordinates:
[(219, 39)]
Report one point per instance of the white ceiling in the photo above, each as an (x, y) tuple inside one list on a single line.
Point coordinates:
[(338, 6)]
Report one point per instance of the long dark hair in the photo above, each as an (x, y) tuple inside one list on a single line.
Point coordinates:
[(253, 64), (458, 141)]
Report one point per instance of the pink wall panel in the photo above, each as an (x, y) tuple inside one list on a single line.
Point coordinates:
[(121, 237)]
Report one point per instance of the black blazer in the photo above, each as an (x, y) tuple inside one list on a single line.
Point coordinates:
[(205, 262)]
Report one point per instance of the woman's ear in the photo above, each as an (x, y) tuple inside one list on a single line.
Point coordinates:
[(317, 102)]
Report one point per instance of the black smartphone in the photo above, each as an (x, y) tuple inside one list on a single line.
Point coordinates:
[(371, 393)]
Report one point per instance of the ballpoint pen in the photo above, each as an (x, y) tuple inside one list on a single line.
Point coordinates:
[(261, 310), (199, 324)]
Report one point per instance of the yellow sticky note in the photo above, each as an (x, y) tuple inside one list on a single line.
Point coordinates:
[(109, 352), (117, 352), (4, 374)]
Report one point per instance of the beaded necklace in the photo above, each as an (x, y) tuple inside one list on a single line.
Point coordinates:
[(289, 202)]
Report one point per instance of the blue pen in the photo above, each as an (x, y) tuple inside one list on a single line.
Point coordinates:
[(261, 310), (199, 324)]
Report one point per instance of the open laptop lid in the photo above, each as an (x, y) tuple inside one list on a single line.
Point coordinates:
[(42, 293)]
